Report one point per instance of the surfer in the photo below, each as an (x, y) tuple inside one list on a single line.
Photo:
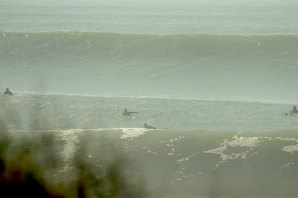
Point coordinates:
[(294, 111), (146, 126), (129, 113), (7, 92)]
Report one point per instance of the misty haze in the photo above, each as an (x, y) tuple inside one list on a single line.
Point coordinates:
[(149, 98)]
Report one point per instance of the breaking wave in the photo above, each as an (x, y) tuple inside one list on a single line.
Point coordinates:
[(228, 67)]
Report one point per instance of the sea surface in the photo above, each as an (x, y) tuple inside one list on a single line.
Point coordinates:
[(217, 81)]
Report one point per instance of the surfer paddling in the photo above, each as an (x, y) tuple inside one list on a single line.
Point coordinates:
[(146, 126), (294, 111), (129, 113), (7, 92)]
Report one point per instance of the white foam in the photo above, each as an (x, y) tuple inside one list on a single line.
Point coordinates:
[(187, 158), (132, 132), (245, 141), (288, 165), (70, 147), (291, 148), (151, 152), (250, 142), (286, 139)]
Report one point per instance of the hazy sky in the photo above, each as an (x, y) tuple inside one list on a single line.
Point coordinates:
[(160, 2)]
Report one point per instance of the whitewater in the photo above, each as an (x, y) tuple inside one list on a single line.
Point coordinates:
[(217, 81), (200, 148)]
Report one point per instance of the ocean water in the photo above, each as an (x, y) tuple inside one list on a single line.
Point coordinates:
[(232, 51), (210, 67), (200, 148), (216, 80)]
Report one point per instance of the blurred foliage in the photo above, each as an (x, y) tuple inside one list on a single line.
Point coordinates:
[(27, 160)]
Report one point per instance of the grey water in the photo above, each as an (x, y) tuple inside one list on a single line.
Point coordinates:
[(155, 17), (216, 78), (222, 51), (61, 112)]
